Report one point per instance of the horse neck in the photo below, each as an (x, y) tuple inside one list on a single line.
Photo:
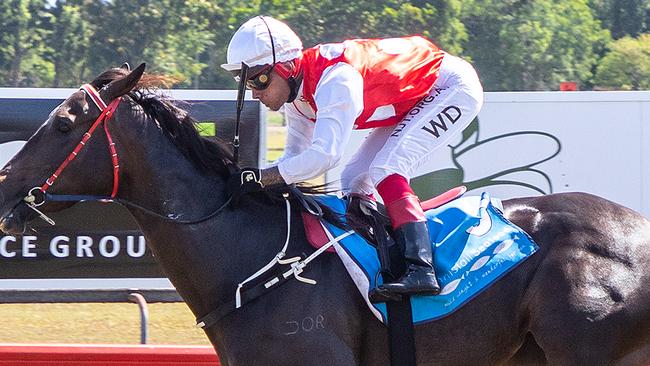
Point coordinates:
[(204, 261), (156, 175)]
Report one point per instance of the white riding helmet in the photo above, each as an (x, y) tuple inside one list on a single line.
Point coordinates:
[(253, 45)]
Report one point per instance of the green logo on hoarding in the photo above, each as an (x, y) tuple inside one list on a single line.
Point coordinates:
[(207, 128), (439, 181)]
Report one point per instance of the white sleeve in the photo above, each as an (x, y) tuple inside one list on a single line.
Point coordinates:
[(339, 101), (299, 134)]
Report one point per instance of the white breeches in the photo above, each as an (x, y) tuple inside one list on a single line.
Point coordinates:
[(451, 105)]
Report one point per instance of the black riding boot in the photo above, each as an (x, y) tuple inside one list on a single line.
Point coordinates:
[(419, 278)]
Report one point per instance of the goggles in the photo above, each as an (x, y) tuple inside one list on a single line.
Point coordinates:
[(261, 78)]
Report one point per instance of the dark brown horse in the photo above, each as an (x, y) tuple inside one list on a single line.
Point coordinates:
[(583, 299)]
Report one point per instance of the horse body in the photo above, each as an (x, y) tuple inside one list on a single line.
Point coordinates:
[(590, 273), (579, 300)]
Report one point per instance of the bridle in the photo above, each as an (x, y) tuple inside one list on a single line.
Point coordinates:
[(106, 111), (38, 195)]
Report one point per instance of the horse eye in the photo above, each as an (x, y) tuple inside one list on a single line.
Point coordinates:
[(63, 124)]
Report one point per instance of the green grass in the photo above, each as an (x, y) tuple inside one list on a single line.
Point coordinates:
[(92, 323), (275, 135)]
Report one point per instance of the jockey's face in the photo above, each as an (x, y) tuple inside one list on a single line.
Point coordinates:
[(276, 94)]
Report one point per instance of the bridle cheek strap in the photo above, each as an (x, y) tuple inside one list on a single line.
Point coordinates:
[(106, 113)]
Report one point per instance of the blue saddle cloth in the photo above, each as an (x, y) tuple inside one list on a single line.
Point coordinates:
[(474, 245)]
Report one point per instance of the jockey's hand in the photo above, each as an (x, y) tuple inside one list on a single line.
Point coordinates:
[(246, 180)]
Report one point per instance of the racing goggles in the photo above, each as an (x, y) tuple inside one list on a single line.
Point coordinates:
[(261, 78)]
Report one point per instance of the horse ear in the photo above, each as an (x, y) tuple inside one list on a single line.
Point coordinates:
[(126, 66), (122, 86)]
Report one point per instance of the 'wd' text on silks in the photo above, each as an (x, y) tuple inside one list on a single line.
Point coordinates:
[(451, 114)]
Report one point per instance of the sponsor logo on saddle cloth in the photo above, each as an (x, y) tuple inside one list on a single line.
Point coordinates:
[(474, 245)]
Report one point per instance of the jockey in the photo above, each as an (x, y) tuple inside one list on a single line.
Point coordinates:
[(414, 96)]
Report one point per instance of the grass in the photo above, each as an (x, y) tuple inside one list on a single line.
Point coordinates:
[(274, 119), (275, 138), (93, 323)]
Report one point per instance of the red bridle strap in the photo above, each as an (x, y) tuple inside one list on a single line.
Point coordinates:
[(106, 113), (94, 95)]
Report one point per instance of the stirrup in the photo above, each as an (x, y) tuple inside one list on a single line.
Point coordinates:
[(380, 294), (416, 288)]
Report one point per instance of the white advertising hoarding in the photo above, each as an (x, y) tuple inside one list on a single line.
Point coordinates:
[(532, 143)]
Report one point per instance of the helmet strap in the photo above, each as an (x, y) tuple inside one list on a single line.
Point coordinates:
[(294, 85), (293, 76)]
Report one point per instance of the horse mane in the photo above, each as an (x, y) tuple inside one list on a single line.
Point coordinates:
[(207, 154)]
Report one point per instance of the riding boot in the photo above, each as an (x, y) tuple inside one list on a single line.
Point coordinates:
[(411, 233), (420, 278)]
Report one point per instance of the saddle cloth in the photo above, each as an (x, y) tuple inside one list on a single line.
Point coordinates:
[(474, 246)]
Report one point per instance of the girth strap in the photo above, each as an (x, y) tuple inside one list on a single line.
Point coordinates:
[(243, 297), (266, 286), (246, 296)]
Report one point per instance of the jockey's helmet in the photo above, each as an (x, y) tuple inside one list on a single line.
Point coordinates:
[(262, 41)]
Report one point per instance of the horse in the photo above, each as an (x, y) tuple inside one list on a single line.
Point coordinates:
[(580, 300)]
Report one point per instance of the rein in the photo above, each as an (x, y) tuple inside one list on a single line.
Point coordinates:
[(242, 295), (107, 112)]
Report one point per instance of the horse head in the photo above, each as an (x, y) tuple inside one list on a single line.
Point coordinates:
[(55, 144)]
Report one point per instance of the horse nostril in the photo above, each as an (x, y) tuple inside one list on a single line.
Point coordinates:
[(4, 224), (10, 224)]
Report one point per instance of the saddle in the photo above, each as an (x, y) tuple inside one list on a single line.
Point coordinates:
[(368, 217), (370, 220), (474, 244)]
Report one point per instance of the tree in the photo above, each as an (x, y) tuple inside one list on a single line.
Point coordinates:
[(627, 65), (437, 20), (125, 31), (188, 37), (67, 42), (533, 45), (323, 21), (623, 17), (515, 44), (21, 43)]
